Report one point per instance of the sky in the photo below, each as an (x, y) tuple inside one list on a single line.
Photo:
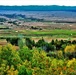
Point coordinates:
[(39, 2)]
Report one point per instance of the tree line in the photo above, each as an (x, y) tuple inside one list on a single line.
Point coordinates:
[(51, 46)]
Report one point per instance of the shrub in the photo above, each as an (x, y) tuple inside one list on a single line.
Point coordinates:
[(60, 54)]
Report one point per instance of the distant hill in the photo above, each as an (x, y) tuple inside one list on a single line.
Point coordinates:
[(38, 8)]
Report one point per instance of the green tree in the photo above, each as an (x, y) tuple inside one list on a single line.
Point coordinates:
[(10, 55), (25, 54), (20, 43), (22, 71), (30, 43)]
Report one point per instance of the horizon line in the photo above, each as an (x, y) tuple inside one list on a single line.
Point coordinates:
[(40, 5)]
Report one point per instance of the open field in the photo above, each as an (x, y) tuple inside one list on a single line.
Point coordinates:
[(36, 35), (38, 24), (52, 33)]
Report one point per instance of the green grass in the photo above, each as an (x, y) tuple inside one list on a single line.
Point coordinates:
[(2, 26), (50, 32), (53, 33)]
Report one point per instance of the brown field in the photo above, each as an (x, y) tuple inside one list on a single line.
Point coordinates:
[(49, 39)]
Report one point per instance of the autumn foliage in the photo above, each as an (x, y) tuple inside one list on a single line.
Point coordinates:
[(35, 62)]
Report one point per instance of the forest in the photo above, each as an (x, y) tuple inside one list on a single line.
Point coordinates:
[(57, 57)]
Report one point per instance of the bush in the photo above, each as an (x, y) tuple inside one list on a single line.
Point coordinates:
[(60, 54)]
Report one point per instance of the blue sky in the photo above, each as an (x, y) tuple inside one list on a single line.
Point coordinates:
[(38, 2)]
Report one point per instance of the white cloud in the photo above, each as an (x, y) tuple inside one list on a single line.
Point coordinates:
[(38, 2)]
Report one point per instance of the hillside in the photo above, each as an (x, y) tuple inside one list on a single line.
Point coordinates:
[(39, 8)]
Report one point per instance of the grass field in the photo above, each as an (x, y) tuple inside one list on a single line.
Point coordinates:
[(48, 35), (53, 33)]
